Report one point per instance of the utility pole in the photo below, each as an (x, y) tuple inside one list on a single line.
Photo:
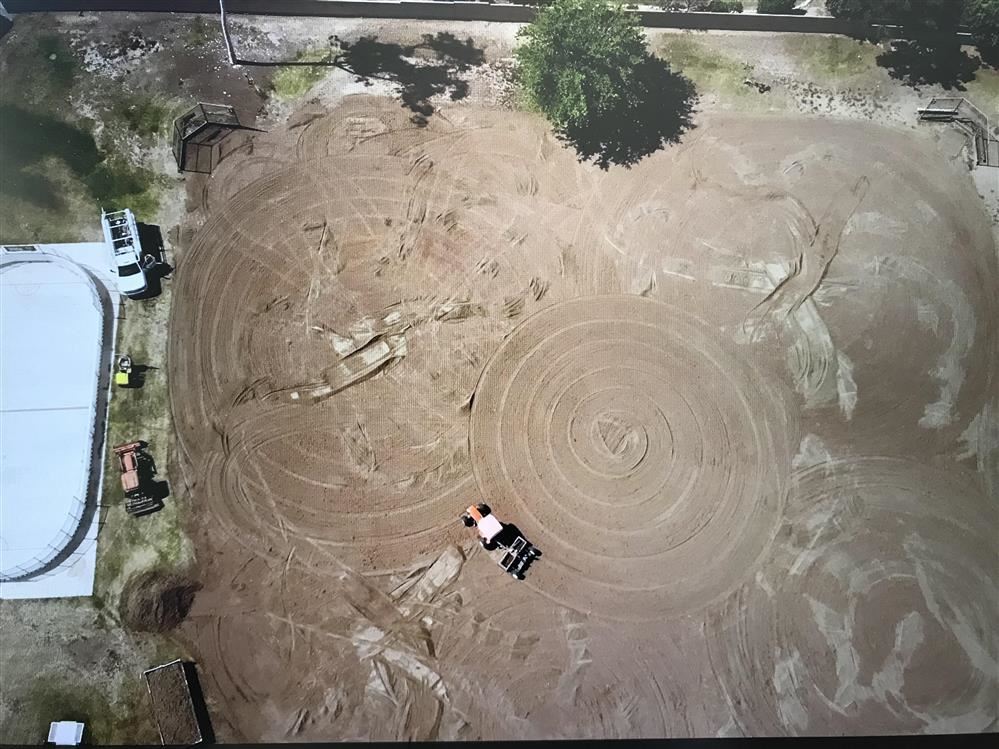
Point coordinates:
[(225, 34)]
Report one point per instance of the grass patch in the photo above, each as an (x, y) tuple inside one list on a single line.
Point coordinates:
[(130, 545), (201, 32), (43, 159), (117, 184), (984, 90), (831, 57), (293, 81), (125, 720), (144, 115), (706, 67), (59, 59)]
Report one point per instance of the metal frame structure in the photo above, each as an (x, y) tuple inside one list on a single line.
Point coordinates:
[(971, 120), (198, 132)]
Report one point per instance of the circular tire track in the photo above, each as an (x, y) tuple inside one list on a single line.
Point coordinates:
[(877, 609), (653, 478)]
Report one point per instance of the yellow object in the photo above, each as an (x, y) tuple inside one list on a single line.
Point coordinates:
[(121, 378)]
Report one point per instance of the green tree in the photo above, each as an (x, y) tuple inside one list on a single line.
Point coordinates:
[(983, 18), (940, 15), (775, 6), (577, 60), (585, 65)]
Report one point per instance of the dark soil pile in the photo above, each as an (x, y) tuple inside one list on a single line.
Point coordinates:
[(153, 602)]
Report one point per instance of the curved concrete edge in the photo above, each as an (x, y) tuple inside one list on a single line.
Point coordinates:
[(95, 471)]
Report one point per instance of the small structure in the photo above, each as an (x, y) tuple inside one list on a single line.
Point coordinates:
[(198, 132), (173, 705), (968, 118), (65, 733)]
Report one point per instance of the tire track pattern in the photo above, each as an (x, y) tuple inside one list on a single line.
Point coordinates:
[(877, 610), (653, 479)]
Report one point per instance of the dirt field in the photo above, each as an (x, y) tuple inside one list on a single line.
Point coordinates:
[(741, 396)]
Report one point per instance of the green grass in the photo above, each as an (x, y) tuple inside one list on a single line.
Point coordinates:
[(201, 32), (59, 59), (46, 163), (115, 184), (831, 57), (123, 720), (706, 67), (145, 116), (984, 91), (293, 81), (130, 545)]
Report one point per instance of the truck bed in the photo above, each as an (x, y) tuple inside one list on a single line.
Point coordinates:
[(173, 708)]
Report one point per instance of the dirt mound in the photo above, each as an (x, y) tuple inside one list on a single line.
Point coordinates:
[(153, 602)]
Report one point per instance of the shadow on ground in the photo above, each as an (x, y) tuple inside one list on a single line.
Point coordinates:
[(929, 63), (422, 71), (154, 260), (660, 114), (27, 139)]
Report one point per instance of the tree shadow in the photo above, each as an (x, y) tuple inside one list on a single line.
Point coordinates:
[(27, 139), (422, 71), (659, 115), (154, 263), (921, 62)]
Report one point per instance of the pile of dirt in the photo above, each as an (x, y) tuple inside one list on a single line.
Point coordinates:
[(172, 706), (154, 602)]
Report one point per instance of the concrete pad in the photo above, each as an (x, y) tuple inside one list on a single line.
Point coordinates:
[(57, 326)]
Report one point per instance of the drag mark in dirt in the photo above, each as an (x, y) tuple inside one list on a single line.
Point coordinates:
[(876, 606)]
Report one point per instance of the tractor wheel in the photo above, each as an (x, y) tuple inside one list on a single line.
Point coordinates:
[(467, 520), (484, 509), (487, 545), (517, 575)]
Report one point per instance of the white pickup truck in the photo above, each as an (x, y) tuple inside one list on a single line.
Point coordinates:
[(122, 237)]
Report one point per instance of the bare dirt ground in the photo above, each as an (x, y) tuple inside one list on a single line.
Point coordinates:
[(352, 633), (738, 394)]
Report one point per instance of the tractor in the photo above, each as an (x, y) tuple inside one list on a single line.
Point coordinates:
[(518, 554)]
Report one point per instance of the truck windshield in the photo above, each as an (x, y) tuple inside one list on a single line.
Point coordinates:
[(128, 270)]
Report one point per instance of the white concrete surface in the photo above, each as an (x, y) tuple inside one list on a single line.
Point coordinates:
[(51, 327)]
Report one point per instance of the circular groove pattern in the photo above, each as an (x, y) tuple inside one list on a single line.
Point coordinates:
[(653, 476), (877, 608)]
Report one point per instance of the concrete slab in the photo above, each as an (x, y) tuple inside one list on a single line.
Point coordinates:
[(57, 322)]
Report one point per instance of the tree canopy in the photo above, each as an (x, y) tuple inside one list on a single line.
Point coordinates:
[(983, 18), (926, 14), (584, 64), (577, 59)]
